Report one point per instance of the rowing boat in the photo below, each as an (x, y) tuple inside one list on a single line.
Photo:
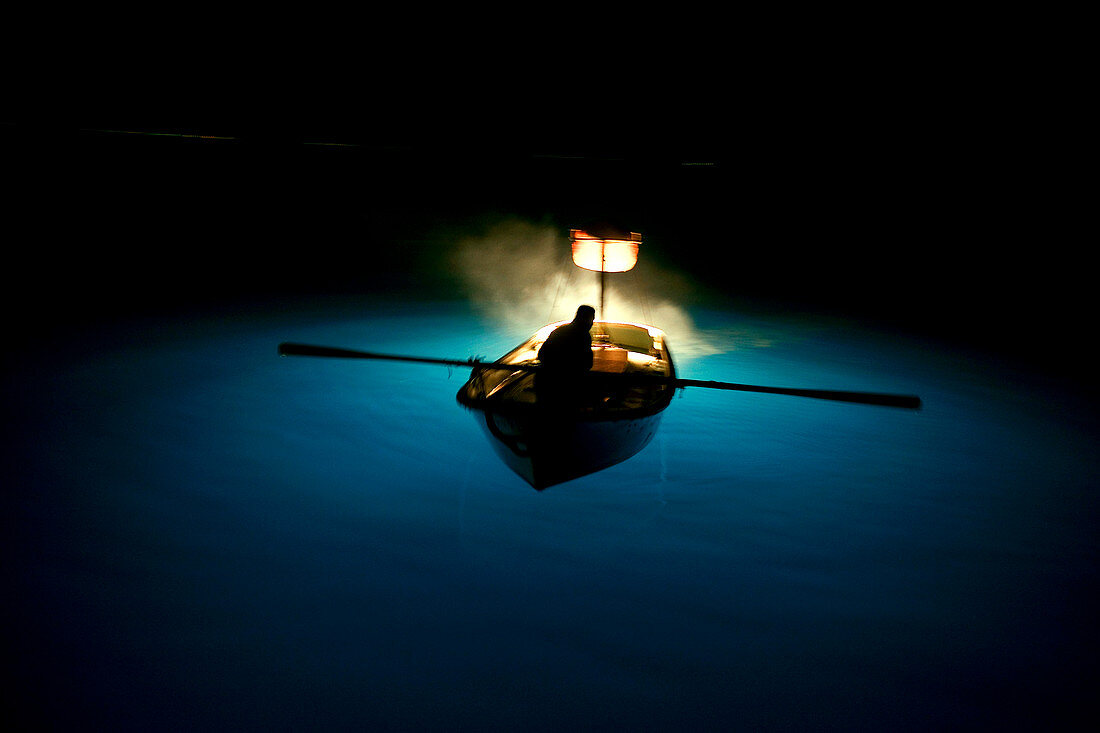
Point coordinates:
[(607, 415), (546, 441)]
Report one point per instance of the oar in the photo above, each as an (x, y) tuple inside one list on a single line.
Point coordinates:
[(911, 402), (331, 351)]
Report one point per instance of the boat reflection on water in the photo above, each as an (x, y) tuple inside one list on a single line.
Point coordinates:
[(547, 441)]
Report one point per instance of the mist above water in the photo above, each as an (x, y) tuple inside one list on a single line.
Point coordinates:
[(521, 275)]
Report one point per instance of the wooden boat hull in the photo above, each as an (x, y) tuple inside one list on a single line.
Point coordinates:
[(545, 451)]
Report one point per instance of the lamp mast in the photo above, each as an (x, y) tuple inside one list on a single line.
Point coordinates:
[(603, 276), (623, 255)]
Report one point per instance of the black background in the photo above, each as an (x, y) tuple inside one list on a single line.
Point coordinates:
[(933, 220)]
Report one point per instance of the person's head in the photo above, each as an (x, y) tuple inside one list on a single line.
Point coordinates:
[(586, 314)]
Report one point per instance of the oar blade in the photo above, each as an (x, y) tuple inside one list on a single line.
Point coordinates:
[(289, 349)]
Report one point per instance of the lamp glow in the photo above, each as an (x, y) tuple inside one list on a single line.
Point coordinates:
[(604, 255)]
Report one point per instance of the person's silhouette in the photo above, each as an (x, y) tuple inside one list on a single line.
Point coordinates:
[(566, 356)]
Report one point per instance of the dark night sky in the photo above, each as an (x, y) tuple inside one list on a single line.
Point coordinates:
[(919, 221)]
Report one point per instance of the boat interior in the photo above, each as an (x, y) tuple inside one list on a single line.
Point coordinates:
[(617, 348)]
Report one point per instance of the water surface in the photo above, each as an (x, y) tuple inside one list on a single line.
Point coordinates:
[(204, 535)]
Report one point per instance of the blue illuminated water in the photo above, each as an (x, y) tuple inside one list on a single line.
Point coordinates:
[(204, 536)]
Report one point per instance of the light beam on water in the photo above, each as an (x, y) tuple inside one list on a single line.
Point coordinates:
[(207, 529)]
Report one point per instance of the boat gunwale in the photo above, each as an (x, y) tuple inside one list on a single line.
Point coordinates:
[(584, 414)]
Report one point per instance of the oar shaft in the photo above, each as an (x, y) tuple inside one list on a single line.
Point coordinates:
[(290, 349), (866, 398)]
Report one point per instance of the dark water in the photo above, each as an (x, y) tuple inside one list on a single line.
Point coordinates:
[(205, 536)]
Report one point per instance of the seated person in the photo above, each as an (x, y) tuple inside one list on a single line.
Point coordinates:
[(566, 356)]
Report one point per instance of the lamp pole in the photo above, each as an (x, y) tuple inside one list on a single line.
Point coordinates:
[(603, 275)]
